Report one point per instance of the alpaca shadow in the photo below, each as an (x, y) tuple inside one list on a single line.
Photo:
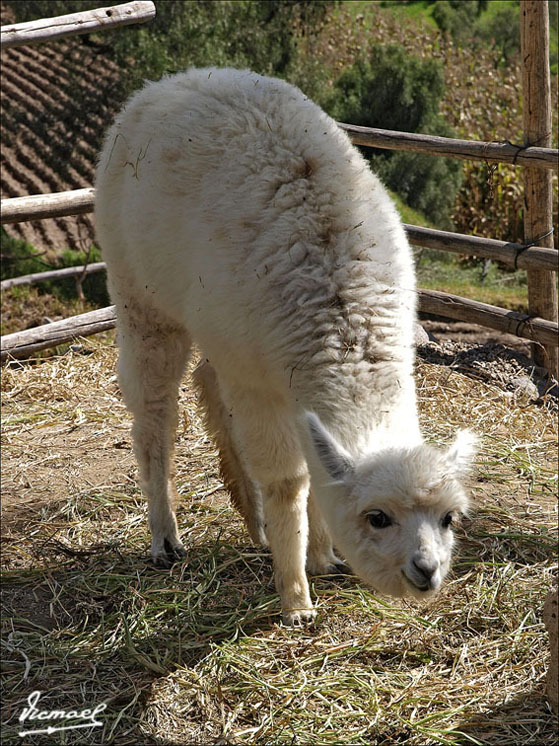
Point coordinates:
[(467, 362), (218, 591), (139, 624), (526, 719)]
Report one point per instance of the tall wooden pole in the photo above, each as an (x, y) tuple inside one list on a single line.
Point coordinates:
[(534, 43)]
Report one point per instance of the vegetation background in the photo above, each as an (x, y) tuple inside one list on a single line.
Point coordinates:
[(445, 67)]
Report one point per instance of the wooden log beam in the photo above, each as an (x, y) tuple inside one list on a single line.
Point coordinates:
[(55, 274), (538, 198), (502, 251), (492, 152), (79, 201), (41, 206), (515, 255), (100, 19), (26, 343), (464, 309)]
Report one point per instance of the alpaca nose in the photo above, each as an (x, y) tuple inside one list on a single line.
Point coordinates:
[(426, 567)]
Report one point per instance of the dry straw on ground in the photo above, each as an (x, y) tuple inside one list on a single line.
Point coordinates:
[(197, 655)]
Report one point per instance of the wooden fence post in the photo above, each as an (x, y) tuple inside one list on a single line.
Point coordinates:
[(534, 42)]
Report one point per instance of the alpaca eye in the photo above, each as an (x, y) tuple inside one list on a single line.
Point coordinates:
[(447, 520), (378, 519)]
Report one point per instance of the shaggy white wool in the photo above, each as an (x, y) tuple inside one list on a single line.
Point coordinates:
[(234, 212)]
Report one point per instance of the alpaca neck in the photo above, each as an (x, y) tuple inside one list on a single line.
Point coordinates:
[(367, 419)]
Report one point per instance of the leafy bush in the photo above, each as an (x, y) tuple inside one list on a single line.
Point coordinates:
[(455, 17), (93, 286), (501, 31), (395, 90), (490, 24), (479, 23), (20, 258)]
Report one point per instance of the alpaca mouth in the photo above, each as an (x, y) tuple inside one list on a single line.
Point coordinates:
[(423, 588)]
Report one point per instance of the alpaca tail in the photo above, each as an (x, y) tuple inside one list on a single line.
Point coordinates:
[(245, 494)]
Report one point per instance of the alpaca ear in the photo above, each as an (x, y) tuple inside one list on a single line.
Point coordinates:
[(461, 454), (333, 457)]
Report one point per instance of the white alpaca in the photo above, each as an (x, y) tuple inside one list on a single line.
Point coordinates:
[(232, 211)]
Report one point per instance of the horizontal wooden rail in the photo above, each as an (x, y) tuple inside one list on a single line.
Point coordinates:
[(26, 343), (508, 253), (41, 206), (511, 322), (79, 201), (493, 152), (55, 274), (100, 19), (514, 254)]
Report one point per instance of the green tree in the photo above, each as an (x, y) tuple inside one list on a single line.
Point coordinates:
[(501, 30), (456, 17), (394, 90)]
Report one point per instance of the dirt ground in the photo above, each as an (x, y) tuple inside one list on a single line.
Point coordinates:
[(473, 335), (76, 569), (57, 451)]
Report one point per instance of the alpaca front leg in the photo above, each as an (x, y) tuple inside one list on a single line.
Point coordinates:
[(286, 525)]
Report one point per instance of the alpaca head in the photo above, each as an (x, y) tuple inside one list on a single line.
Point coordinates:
[(391, 513)]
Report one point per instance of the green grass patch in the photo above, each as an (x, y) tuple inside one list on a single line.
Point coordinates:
[(420, 10), (470, 279), (408, 214)]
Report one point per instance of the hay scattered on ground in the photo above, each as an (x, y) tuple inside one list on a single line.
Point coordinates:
[(197, 655)]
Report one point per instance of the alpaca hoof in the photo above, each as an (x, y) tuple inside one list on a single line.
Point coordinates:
[(298, 618), (162, 561), (329, 566), (258, 536), (337, 568), (342, 569), (169, 556), (174, 553)]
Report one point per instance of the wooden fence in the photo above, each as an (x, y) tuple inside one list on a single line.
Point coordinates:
[(536, 255), (101, 19)]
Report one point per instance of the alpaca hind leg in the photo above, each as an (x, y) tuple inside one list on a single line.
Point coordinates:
[(321, 559), (263, 428), (245, 494), (153, 356)]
